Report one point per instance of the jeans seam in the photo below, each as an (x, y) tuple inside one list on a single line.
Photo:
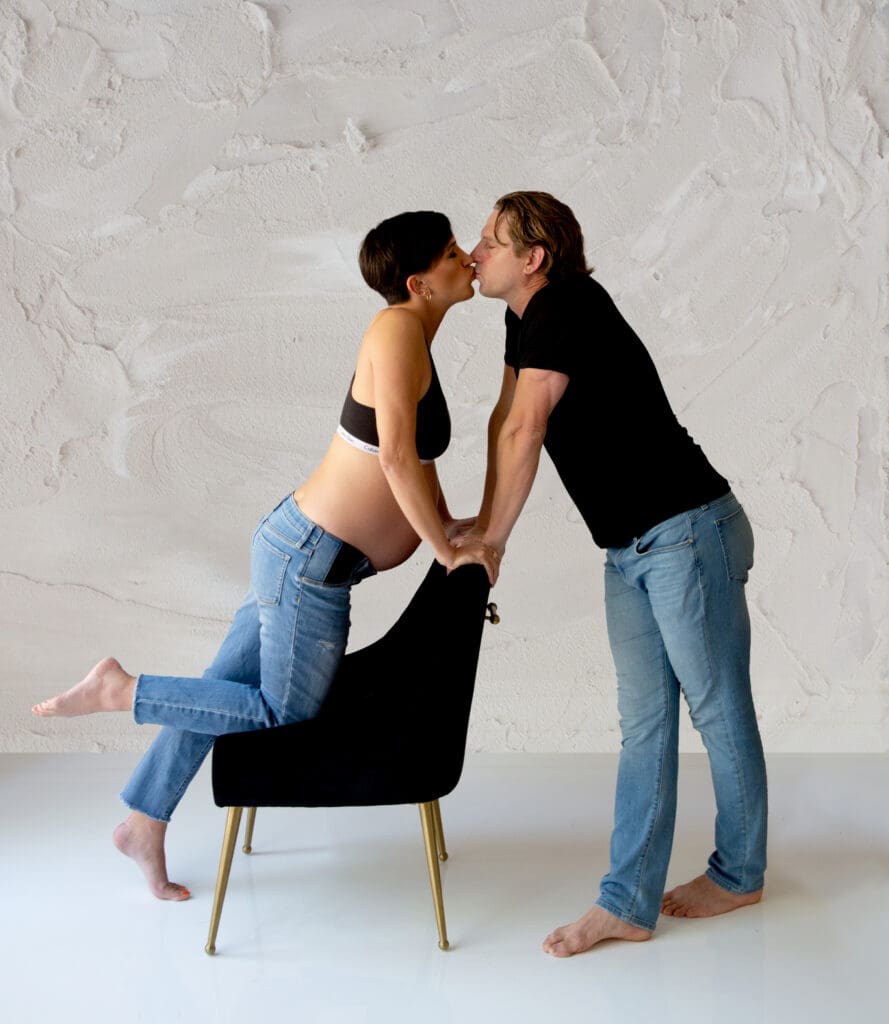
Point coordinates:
[(722, 711), (660, 794), (152, 702), (285, 702)]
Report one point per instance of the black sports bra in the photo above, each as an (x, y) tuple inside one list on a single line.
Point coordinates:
[(358, 423)]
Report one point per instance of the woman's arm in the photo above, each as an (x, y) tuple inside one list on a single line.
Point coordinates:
[(399, 362), (400, 366), (453, 528)]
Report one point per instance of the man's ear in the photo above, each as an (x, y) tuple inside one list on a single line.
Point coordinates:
[(536, 257)]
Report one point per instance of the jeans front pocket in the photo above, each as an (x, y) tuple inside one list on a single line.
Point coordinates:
[(268, 567), (672, 534), (736, 538)]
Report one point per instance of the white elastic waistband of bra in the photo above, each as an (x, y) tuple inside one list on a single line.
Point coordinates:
[(365, 446)]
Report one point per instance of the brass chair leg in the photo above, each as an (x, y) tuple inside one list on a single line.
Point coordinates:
[(248, 832), (427, 819), (225, 863), (439, 831)]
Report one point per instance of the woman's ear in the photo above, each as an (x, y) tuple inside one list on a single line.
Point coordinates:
[(417, 286)]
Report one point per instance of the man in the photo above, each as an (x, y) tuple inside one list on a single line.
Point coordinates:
[(678, 545)]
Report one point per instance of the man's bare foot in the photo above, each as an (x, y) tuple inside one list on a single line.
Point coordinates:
[(702, 897), (142, 838), (107, 687), (595, 926)]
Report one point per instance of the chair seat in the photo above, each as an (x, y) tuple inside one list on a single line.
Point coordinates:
[(393, 727), (322, 763)]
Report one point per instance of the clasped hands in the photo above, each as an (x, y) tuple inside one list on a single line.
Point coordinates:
[(468, 538)]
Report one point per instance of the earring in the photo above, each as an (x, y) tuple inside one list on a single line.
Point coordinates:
[(427, 295)]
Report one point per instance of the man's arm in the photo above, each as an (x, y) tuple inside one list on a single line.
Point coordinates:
[(518, 443), (495, 424)]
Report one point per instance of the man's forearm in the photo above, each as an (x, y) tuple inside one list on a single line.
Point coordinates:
[(517, 458), (495, 423)]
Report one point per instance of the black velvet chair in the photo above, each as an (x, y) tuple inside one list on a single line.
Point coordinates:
[(392, 730)]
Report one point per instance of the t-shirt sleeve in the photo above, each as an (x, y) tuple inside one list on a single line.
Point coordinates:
[(548, 339)]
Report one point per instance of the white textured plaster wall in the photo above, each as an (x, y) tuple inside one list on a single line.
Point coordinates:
[(183, 187)]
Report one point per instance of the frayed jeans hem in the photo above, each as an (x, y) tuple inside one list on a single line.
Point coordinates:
[(138, 810), (735, 890), (637, 922)]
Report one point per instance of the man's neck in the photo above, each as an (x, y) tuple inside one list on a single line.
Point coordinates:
[(519, 303)]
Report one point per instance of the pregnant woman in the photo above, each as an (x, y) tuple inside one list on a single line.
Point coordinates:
[(372, 500)]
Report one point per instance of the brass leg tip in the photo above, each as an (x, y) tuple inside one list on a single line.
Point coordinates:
[(444, 944), (210, 950), (443, 856), (247, 849)]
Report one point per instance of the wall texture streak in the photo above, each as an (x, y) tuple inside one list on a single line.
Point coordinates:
[(183, 188)]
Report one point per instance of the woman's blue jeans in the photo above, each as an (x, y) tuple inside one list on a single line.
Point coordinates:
[(677, 621), (275, 665)]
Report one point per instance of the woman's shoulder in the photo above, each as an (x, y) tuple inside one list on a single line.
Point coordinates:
[(396, 321), (395, 328)]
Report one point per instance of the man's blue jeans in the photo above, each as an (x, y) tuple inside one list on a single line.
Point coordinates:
[(275, 665), (677, 620)]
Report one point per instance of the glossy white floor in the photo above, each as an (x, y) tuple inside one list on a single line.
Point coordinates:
[(330, 920)]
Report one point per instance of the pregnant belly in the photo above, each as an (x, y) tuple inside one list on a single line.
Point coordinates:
[(363, 511)]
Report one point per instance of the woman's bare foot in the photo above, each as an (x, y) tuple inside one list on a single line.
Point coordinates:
[(142, 838), (107, 687), (595, 926), (702, 897)]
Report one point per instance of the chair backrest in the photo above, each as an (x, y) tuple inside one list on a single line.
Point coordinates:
[(393, 729)]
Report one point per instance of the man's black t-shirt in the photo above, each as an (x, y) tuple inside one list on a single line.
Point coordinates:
[(624, 458)]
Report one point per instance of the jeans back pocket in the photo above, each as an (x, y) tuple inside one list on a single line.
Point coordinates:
[(736, 538), (268, 568)]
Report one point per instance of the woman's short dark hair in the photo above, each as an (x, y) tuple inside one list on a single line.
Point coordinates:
[(406, 244), (537, 218)]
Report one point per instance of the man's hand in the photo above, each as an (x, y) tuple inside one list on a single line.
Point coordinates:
[(475, 552), (457, 529)]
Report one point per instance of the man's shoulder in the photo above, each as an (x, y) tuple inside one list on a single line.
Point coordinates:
[(574, 295)]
